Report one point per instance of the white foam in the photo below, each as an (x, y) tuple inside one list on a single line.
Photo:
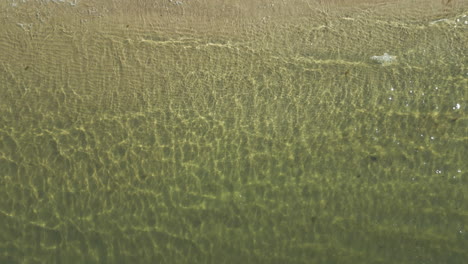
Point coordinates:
[(386, 58)]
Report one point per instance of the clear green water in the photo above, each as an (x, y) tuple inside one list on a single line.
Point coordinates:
[(280, 141)]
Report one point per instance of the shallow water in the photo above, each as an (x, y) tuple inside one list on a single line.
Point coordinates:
[(206, 132)]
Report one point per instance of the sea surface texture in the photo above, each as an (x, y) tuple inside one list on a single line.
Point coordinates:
[(229, 131)]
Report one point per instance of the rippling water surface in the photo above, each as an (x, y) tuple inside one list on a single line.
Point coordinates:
[(233, 132)]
